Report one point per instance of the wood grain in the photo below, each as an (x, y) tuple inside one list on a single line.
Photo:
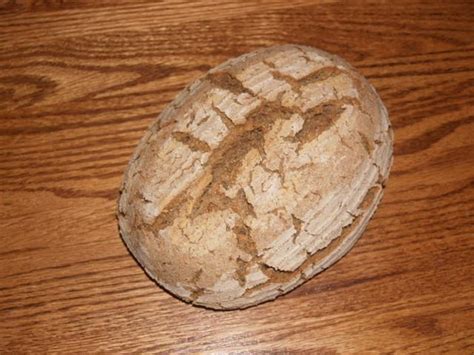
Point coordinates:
[(81, 81)]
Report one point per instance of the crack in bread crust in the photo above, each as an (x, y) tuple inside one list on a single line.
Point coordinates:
[(281, 162), (191, 142)]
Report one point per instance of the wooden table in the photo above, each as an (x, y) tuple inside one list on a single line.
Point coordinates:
[(80, 82)]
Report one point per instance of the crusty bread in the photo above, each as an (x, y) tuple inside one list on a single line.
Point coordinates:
[(259, 175)]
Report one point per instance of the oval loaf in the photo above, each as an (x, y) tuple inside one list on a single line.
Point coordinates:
[(256, 177)]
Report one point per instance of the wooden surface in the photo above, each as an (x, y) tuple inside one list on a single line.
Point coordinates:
[(80, 82)]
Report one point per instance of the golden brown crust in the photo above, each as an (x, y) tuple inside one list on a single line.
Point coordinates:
[(258, 176)]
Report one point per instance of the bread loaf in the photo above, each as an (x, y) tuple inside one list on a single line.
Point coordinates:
[(257, 176)]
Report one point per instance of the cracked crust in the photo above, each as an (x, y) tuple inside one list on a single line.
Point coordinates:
[(258, 176)]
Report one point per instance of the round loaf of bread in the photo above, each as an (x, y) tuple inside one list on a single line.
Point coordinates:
[(256, 177)]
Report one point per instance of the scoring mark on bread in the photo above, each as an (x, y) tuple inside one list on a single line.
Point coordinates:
[(318, 120), (322, 74), (226, 80)]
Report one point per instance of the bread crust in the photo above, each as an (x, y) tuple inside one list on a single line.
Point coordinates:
[(257, 176)]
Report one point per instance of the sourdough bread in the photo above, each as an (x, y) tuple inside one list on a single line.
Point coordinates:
[(257, 176)]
